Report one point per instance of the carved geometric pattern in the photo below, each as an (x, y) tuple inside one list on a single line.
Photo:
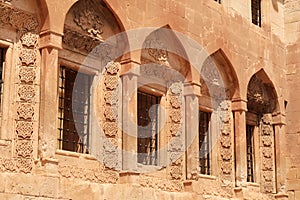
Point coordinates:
[(25, 111), (29, 39), (176, 115), (175, 102), (24, 164), (111, 97), (110, 129), (111, 82), (24, 129), (27, 74), (225, 139), (112, 67), (28, 56), (24, 148), (176, 129), (111, 113), (26, 92), (176, 141), (176, 172), (111, 159)]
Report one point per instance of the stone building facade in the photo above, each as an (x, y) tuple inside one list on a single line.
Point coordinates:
[(161, 99)]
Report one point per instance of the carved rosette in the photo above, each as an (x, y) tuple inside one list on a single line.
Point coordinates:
[(26, 26), (111, 155), (267, 154), (225, 140), (176, 141)]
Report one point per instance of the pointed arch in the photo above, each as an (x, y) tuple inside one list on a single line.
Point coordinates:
[(261, 94)]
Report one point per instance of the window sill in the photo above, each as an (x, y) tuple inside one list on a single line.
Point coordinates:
[(147, 168), (3, 143), (75, 154), (210, 177), (252, 184)]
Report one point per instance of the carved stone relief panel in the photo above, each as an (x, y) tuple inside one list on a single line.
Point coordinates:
[(267, 154), (176, 137)]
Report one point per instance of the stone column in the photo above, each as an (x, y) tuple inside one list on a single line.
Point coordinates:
[(129, 109), (50, 43), (192, 131), (239, 109), (280, 152)]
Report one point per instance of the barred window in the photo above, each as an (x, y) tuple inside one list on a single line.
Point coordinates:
[(256, 12), (147, 128), (204, 142), (2, 62), (250, 153), (219, 1), (74, 109)]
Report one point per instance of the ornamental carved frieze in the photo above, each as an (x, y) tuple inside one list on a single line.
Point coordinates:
[(24, 164), (156, 49), (89, 20), (98, 175), (18, 19), (76, 40), (111, 113), (113, 67), (160, 184)]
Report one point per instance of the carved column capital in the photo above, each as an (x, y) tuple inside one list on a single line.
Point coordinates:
[(50, 39), (239, 105)]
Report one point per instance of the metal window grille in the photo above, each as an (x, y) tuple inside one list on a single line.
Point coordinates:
[(74, 109), (2, 61), (204, 143), (147, 128), (250, 153), (219, 1), (256, 12)]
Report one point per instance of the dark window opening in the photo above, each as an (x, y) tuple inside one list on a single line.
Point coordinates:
[(204, 143), (256, 12), (147, 128), (2, 62), (74, 109), (250, 153)]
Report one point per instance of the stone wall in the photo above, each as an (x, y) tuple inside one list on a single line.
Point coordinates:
[(31, 167)]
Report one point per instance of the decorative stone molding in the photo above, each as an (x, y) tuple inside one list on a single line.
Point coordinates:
[(226, 140), (267, 154), (111, 155), (176, 144)]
